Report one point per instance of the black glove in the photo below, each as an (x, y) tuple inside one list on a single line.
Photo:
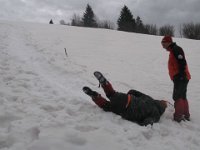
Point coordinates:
[(148, 121), (180, 76), (135, 93)]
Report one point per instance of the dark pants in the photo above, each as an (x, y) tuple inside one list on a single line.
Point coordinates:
[(180, 97), (180, 89), (117, 102)]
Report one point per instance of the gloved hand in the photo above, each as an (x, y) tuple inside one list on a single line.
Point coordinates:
[(131, 92), (180, 76), (135, 93), (148, 121)]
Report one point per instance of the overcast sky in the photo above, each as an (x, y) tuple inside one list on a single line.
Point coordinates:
[(159, 12)]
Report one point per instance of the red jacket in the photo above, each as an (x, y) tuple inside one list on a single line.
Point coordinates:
[(177, 62)]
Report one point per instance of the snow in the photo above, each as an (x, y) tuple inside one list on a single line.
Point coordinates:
[(42, 106)]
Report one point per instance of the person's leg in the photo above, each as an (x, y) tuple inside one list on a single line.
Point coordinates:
[(179, 110), (108, 89), (97, 99), (105, 84), (178, 101), (186, 110), (118, 100), (186, 105), (102, 103)]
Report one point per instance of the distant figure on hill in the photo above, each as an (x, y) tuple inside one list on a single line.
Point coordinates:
[(133, 106), (180, 75), (51, 21)]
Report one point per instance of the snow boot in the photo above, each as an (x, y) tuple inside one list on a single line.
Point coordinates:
[(179, 110), (102, 80), (96, 97), (186, 110), (89, 92), (105, 84)]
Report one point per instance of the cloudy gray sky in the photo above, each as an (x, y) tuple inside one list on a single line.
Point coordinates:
[(159, 12)]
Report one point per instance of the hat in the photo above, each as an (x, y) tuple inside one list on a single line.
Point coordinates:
[(167, 39), (163, 103)]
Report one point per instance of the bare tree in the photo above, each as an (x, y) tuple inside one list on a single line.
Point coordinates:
[(151, 29), (62, 22), (181, 30), (76, 20), (105, 24), (191, 31), (166, 30)]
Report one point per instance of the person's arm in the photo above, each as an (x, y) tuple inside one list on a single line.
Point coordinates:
[(107, 106), (136, 93), (180, 57), (152, 118), (161, 106)]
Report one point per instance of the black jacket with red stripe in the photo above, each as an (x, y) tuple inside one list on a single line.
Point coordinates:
[(142, 109), (177, 64)]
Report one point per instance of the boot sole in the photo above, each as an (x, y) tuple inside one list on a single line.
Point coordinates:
[(99, 77)]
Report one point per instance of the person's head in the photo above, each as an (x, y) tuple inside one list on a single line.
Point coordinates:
[(163, 103), (166, 41)]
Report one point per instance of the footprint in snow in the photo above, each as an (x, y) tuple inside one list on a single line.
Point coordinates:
[(85, 128), (76, 140)]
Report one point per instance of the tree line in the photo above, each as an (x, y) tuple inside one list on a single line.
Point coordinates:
[(127, 22)]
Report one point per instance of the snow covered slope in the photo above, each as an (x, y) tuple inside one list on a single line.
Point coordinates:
[(42, 105)]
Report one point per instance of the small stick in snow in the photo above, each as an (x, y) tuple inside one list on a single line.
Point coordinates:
[(66, 52)]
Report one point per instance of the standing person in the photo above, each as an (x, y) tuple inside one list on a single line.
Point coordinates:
[(51, 21), (180, 75), (134, 105)]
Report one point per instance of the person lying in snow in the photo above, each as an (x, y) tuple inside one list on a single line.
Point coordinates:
[(133, 106)]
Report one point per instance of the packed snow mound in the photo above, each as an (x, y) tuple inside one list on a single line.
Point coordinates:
[(42, 105)]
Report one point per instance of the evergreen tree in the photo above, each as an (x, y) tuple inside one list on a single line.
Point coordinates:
[(89, 17), (126, 22)]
